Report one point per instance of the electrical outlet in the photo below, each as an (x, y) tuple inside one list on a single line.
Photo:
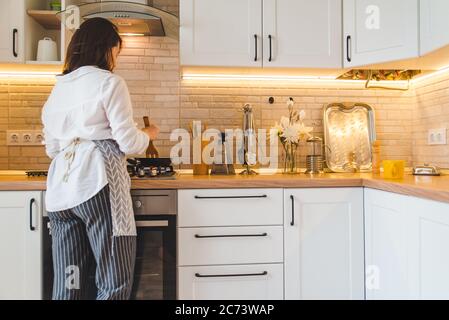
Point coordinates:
[(38, 138), (12, 138), (24, 138), (436, 136), (27, 138)]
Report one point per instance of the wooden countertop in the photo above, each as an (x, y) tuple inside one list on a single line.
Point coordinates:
[(434, 188)]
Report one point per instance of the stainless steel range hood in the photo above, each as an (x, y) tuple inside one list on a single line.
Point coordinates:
[(133, 17)]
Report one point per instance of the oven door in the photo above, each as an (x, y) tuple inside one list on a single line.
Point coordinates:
[(155, 270)]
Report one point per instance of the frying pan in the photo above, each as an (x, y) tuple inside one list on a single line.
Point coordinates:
[(152, 155)]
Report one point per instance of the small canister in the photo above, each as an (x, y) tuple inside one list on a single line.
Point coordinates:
[(314, 158)]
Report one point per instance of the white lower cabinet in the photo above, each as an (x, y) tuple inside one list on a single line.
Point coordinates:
[(386, 233), (235, 245), (407, 241), (20, 246), (323, 238), (229, 207), (230, 244), (330, 243), (429, 254), (232, 282)]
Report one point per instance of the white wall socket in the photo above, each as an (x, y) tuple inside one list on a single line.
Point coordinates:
[(24, 137), (437, 136)]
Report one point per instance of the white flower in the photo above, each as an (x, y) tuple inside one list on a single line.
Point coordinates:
[(291, 133), (292, 129), (304, 132)]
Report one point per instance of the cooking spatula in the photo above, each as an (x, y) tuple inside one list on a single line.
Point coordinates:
[(151, 150)]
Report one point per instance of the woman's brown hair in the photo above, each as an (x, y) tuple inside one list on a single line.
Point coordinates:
[(92, 44)]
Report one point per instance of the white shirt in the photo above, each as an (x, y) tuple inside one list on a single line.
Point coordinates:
[(91, 104)]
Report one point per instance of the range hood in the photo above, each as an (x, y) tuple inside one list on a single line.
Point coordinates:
[(133, 17)]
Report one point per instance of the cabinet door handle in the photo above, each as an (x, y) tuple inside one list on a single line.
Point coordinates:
[(270, 45), (292, 222), (32, 201), (264, 273), (348, 48), (232, 197), (15, 32), (232, 235), (255, 47)]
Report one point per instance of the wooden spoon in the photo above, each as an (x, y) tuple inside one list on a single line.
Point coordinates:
[(151, 150)]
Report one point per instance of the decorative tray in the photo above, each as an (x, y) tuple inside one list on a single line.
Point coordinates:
[(349, 132)]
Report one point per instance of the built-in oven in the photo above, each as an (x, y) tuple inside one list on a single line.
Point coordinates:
[(155, 269)]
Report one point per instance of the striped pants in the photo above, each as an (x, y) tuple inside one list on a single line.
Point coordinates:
[(83, 234)]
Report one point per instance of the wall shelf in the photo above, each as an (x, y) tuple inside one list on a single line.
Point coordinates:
[(46, 18)]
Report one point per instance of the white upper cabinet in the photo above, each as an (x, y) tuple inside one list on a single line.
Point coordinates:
[(256, 33), (23, 23), (324, 249), (12, 30), (221, 33), (377, 31), (434, 25), (302, 33), (20, 246)]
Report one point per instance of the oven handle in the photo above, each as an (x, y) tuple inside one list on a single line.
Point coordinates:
[(153, 223)]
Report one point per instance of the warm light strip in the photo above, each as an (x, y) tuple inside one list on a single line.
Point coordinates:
[(440, 71), (128, 34), (298, 79), (28, 74), (199, 76)]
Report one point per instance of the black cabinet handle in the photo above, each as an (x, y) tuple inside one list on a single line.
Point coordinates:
[(232, 236), (348, 48), (15, 32), (32, 201), (270, 47), (232, 197), (198, 275), (255, 47), (292, 222)]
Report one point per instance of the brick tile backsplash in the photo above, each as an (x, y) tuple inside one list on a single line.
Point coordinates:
[(151, 69)]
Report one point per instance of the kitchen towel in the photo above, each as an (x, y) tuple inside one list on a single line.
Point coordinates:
[(123, 223)]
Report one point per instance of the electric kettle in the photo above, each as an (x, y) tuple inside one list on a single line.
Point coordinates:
[(47, 50)]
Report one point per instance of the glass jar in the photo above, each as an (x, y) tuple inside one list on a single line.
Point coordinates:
[(290, 153)]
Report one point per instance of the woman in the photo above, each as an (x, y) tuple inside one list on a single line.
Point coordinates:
[(88, 128)]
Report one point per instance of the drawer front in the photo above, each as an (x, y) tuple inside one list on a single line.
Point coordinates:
[(230, 245), (230, 207), (238, 282)]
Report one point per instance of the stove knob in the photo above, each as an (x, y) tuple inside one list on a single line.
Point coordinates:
[(138, 204), (141, 173)]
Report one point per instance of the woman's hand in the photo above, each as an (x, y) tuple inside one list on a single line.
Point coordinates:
[(152, 131)]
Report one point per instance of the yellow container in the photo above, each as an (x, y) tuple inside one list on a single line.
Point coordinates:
[(393, 169)]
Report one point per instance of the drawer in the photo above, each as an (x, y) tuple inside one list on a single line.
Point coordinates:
[(230, 207), (230, 245), (238, 282)]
